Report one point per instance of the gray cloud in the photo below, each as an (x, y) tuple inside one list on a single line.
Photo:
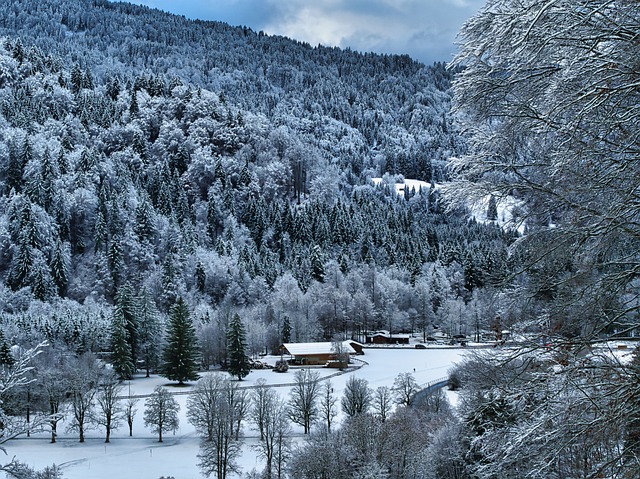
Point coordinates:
[(424, 29)]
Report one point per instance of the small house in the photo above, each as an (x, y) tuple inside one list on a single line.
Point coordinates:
[(385, 337), (317, 353)]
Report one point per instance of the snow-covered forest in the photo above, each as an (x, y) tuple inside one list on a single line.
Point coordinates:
[(252, 196), (163, 179)]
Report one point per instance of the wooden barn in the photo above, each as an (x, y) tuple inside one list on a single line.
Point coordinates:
[(317, 353), (385, 337)]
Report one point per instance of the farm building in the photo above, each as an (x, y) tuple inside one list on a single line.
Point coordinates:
[(385, 337), (318, 353)]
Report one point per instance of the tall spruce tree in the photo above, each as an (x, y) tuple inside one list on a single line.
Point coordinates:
[(149, 330), (180, 355), (6, 358), (120, 348), (236, 346), (126, 307)]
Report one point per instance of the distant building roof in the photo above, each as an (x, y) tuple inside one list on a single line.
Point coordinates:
[(387, 334), (301, 349)]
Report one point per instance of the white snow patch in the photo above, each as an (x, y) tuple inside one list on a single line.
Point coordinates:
[(506, 208), (407, 185)]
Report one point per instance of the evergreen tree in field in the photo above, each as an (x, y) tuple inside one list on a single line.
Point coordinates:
[(149, 329), (127, 308), (238, 360), (120, 348), (180, 356)]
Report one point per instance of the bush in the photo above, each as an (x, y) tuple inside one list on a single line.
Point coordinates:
[(455, 381)]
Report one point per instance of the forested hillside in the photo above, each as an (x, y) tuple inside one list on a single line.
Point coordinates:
[(163, 180), (241, 187), (388, 113)]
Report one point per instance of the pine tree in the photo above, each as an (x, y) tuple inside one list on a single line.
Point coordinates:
[(149, 329), (286, 330), (60, 267), (6, 358), (87, 80), (180, 356), (245, 176), (134, 109), (145, 223), (492, 209), (48, 175), (14, 169), (120, 348), (76, 78), (126, 311), (201, 277), (115, 254), (21, 265), (317, 264), (236, 347), (40, 278)]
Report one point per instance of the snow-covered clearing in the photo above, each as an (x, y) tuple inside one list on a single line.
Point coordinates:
[(506, 208), (141, 456), (407, 184)]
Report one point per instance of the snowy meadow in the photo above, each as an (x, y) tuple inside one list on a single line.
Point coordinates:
[(143, 456)]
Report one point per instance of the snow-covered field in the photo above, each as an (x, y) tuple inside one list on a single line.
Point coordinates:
[(142, 457)]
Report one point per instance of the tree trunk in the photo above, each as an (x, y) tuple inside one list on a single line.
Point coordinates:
[(108, 427)]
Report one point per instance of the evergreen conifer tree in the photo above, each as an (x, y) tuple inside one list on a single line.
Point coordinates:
[(180, 355), (149, 329), (6, 358), (127, 308), (286, 330), (201, 277), (492, 209), (60, 267), (120, 348), (238, 360), (317, 264), (134, 109)]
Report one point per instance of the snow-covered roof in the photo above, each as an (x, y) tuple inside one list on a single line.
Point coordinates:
[(387, 334), (301, 349)]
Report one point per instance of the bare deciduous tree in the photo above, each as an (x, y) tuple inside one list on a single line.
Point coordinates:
[(382, 402), (110, 411), (216, 408), (82, 382), (275, 447), (357, 397), (262, 399), (328, 401), (303, 402), (161, 412), (130, 412), (405, 387)]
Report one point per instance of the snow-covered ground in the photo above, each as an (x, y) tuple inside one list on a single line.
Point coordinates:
[(142, 457), (407, 184), (506, 207)]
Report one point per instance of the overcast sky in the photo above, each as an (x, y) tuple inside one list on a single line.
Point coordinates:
[(424, 29)]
